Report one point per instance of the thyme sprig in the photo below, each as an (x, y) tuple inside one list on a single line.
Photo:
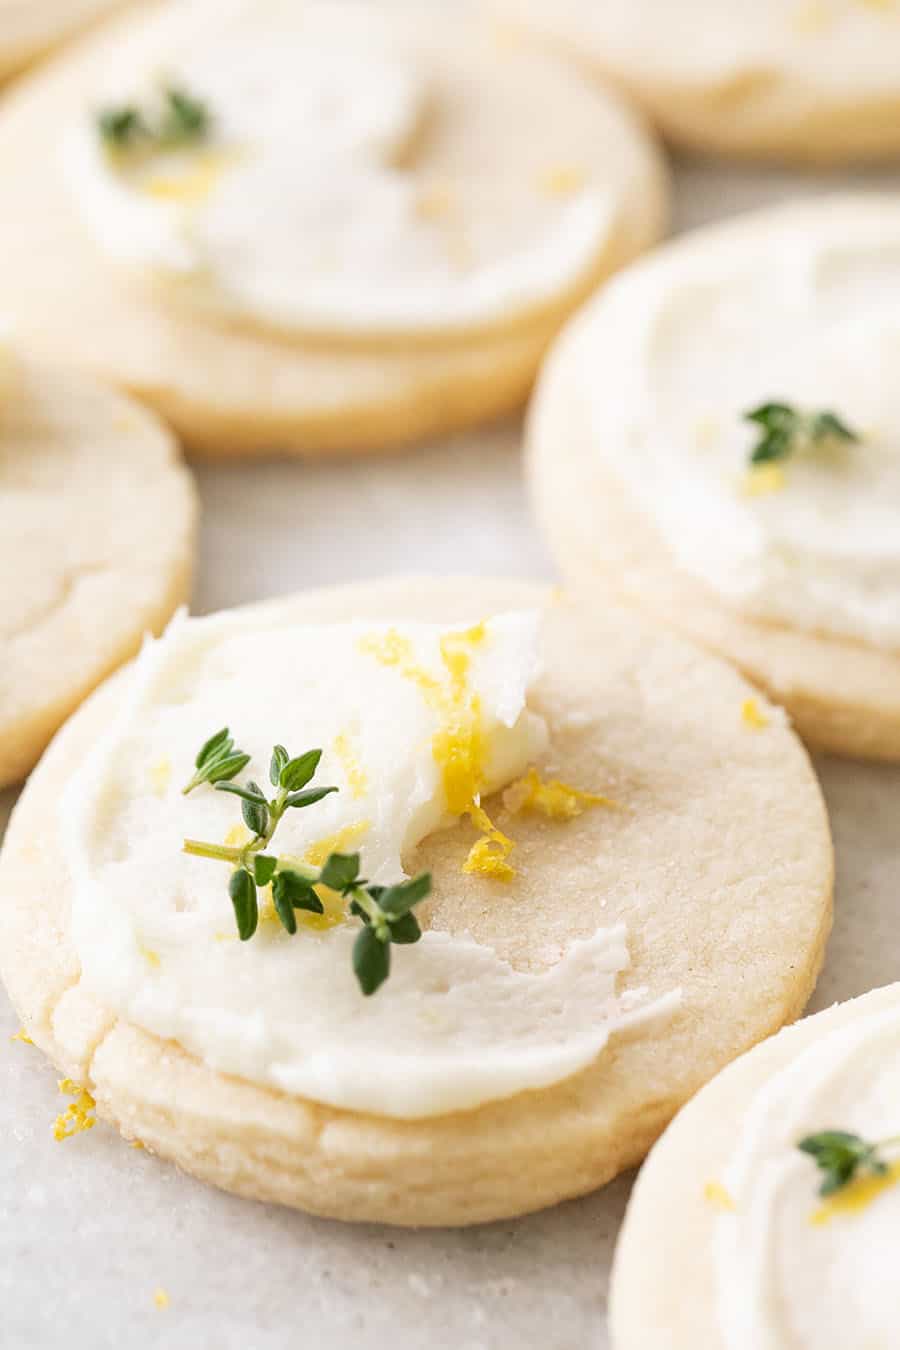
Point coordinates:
[(785, 431), (182, 120), (841, 1156), (385, 911)]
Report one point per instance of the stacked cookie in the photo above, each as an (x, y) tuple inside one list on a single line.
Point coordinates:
[(433, 902)]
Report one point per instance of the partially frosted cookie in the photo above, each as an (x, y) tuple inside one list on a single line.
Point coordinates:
[(30, 28), (629, 886), (768, 1214), (312, 227), (96, 543), (736, 471), (803, 80)]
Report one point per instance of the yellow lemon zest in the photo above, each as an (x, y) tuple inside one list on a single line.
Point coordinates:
[(78, 1115), (160, 775), (136, 1143), (150, 956), (191, 184), (339, 842), (459, 745), (562, 180), (161, 1299), (22, 1035), (357, 778), (752, 715), (856, 1196), (237, 836), (553, 799), (715, 1194), (762, 479)]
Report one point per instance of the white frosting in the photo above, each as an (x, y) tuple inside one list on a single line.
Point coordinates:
[(455, 1025), (784, 1282), (304, 209), (801, 306)]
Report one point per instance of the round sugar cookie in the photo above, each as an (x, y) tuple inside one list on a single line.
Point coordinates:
[(807, 81), (686, 1271), (430, 250), (641, 456), (30, 28), (96, 545), (717, 858)]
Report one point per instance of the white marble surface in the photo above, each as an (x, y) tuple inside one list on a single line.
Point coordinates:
[(89, 1229)]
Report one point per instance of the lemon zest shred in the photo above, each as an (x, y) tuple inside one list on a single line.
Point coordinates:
[(22, 1035), (459, 745), (192, 184), (161, 1299), (550, 797), (763, 479), (752, 715), (160, 775), (357, 778), (715, 1194), (562, 180), (78, 1115), (150, 956), (136, 1143), (856, 1196)]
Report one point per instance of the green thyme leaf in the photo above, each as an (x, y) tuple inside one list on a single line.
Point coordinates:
[(120, 127), (840, 1155), (297, 772), (280, 758), (185, 119), (399, 900), (405, 930), (294, 890), (217, 761), (264, 868), (308, 797), (250, 793), (371, 961), (340, 871), (785, 431), (243, 898), (255, 812)]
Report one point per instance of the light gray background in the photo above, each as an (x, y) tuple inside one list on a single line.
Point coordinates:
[(90, 1228)]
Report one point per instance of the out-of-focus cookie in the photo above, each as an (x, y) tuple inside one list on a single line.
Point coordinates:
[(96, 544), (313, 227), (30, 28), (716, 439), (768, 1213), (799, 80)]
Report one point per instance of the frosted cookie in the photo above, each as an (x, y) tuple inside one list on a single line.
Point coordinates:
[(96, 542), (768, 1214), (314, 227), (736, 472), (30, 28), (621, 887), (802, 80)]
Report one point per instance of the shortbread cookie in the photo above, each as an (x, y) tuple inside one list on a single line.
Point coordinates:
[(729, 1242), (96, 543), (770, 538), (803, 80), (30, 28), (314, 227), (647, 894)]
